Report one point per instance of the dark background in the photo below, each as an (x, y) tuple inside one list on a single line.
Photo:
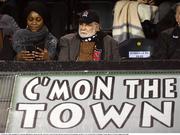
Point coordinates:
[(63, 14)]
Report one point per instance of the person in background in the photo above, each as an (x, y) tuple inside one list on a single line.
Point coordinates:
[(8, 26), (35, 42), (148, 19), (169, 40), (90, 43), (133, 19), (164, 18)]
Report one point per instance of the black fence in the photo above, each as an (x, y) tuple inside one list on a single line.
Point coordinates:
[(20, 66)]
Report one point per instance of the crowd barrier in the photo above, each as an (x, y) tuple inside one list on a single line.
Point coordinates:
[(131, 96)]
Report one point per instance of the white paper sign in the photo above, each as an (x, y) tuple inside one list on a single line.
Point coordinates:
[(95, 102), (139, 54)]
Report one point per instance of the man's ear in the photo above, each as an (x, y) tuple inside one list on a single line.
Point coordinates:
[(97, 27)]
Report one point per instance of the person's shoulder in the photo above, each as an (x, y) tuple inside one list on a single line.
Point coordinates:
[(108, 37), (20, 32), (52, 38), (50, 35), (109, 40), (168, 31), (69, 36), (6, 17)]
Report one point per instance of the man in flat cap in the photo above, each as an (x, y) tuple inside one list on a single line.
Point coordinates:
[(90, 43)]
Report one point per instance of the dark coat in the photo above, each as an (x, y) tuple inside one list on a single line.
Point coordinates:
[(169, 44), (69, 48)]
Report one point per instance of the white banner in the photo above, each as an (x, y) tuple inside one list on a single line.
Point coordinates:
[(96, 102)]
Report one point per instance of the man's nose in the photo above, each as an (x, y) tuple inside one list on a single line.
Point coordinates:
[(83, 26)]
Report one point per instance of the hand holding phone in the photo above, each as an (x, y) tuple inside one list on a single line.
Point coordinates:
[(25, 55), (41, 54)]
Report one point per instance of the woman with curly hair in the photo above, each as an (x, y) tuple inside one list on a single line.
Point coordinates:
[(35, 42)]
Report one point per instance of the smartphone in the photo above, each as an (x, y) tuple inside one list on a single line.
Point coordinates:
[(30, 48), (40, 45)]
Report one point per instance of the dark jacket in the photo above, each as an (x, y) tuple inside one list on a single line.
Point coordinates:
[(69, 48), (169, 44)]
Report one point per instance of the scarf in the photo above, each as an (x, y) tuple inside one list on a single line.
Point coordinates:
[(99, 44), (24, 37)]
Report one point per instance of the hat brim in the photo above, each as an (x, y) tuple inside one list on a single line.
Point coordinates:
[(87, 21)]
